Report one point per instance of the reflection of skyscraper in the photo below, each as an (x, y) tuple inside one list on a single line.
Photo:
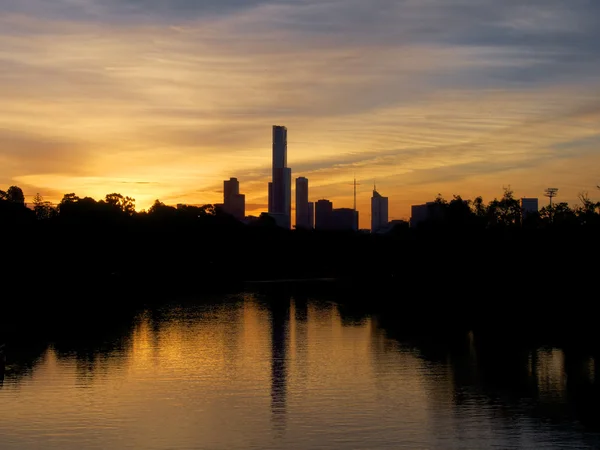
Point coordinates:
[(2, 366), (280, 312), (280, 187)]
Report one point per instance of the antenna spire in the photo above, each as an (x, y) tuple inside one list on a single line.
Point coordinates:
[(355, 184), (354, 192)]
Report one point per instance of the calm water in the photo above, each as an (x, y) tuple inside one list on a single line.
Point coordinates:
[(248, 372)]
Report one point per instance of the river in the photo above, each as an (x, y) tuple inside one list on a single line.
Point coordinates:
[(249, 371)]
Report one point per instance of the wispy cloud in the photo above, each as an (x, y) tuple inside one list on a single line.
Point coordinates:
[(419, 94)]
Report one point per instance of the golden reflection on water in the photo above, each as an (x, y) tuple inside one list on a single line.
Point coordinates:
[(264, 372)]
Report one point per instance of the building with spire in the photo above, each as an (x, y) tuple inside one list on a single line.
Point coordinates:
[(379, 211)]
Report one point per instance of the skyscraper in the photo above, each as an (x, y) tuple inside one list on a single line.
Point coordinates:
[(344, 219), (280, 188), (302, 205), (529, 206), (230, 187), (279, 147), (379, 211), (234, 203), (323, 214)]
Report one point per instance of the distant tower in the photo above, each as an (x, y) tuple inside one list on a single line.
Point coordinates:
[(551, 193), (302, 204), (280, 188), (323, 214), (234, 203), (355, 184), (379, 211)]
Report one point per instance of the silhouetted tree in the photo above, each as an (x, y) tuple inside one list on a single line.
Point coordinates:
[(43, 209), (586, 212), (506, 211), (161, 211), (559, 214), (12, 207), (440, 200), (459, 213), (479, 207), (66, 205), (15, 195), (265, 220), (123, 204)]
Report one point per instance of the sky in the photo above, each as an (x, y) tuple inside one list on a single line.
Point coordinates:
[(165, 100)]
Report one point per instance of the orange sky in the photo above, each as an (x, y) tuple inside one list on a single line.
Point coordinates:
[(421, 99)]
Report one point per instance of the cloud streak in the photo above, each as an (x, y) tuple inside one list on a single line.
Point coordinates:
[(420, 95)]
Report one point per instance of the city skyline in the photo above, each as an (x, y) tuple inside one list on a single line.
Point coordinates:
[(165, 102)]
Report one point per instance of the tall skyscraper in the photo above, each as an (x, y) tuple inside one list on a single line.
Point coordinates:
[(234, 203), (302, 204), (280, 188), (379, 211), (279, 147)]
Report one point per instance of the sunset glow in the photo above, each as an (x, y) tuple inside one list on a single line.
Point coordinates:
[(166, 100)]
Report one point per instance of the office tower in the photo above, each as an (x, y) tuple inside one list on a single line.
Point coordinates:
[(280, 188), (344, 219), (234, 203), (279, 147), (430, 211), (529, 206), (379, 211), (302, 204), (323, 213)]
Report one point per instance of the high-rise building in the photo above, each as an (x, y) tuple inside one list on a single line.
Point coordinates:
[(344, 219), (302, 204), (234, 203), (529, 206), (323, 213), (280, 188), (279, 147), (379, 211), (424, 213), (230, 187), (311, 215)]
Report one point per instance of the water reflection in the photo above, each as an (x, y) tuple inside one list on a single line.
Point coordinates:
[(2, 366), (282, 369), (279, 305)]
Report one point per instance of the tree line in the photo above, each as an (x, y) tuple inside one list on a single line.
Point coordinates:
[(84, 247), (505, 212)]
